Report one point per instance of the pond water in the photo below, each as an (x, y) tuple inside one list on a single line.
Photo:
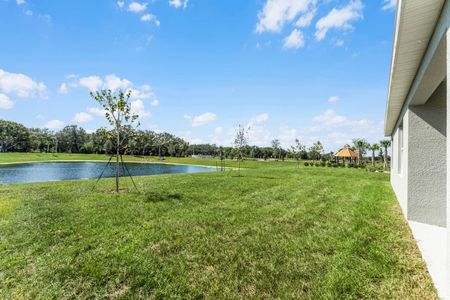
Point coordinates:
[(50, 171)]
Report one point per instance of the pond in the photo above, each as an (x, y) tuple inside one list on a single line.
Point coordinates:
[(51, 171)]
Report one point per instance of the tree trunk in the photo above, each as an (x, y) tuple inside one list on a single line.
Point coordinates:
[(385, 158), (117, 161), (373, 158), (239, 167)]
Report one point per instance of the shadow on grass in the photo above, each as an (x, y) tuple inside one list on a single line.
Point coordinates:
[(162, 197)]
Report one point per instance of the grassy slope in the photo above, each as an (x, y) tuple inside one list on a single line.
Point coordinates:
[(278, 231)]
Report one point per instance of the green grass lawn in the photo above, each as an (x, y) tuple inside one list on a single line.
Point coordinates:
[(276, 232)]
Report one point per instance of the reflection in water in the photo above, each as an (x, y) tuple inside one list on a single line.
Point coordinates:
[(47, 171)]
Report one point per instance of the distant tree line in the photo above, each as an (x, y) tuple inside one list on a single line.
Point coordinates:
[(15, 137)]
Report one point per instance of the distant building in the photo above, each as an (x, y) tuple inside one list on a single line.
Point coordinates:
[(201, 156), (347, 153), (417, 119)]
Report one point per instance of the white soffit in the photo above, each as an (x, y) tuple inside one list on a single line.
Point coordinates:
[(414, 26)]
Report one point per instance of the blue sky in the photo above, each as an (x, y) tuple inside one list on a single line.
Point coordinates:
[(286, 69)]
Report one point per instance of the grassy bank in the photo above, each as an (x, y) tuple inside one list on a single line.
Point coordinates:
[(278, 231)]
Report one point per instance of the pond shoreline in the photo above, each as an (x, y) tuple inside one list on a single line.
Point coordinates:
[(46, 171), (100, 161)]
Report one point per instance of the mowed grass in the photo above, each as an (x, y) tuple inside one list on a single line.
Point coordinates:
[(278, 231)]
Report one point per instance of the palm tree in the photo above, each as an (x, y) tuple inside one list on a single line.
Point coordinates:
[(361, 145), (385, 144), (374, 147)]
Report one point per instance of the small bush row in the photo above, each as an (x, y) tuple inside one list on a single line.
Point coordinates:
[(369, 168)]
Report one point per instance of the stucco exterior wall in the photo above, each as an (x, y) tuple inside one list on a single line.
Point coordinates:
[(399, 178), (427, 165), (447, 61)]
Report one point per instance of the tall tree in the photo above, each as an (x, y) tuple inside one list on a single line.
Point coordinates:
[(71, 138), (385, 144), (374, 147), (276, 148), (13, 136), (361, 146), (316, 151), (240, 141), (118, 112)]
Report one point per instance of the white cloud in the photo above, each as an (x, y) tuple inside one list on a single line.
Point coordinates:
[(45, 17), (294, 41), (144, 92), (339, 18), (257, 133), (20, 2), (137, 7), (178, 3), (147, 17), (21, 85), (154, 103), (339, 43), (138, 107), (333, 99), (96, 111), (306, 19), (40, 117), (120, 4), (202, 119), (259, 119), (112, 82), (276, 13), (82, 117), (29, 12), (216, 136), (150, 17), (5, 102), (54, 124), (63, 88), (287, 136), (92, 83), (389, 4), (218, 130), (330, 118)]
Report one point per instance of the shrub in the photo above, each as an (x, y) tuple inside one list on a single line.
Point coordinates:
[(306, 164), (322, 164), (371, 169), (380, 168)]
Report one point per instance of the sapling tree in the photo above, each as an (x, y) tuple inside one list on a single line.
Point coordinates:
[(276, 148), (221, 155), (316, 151), (117, 108), (297, 151), (240, 141)]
